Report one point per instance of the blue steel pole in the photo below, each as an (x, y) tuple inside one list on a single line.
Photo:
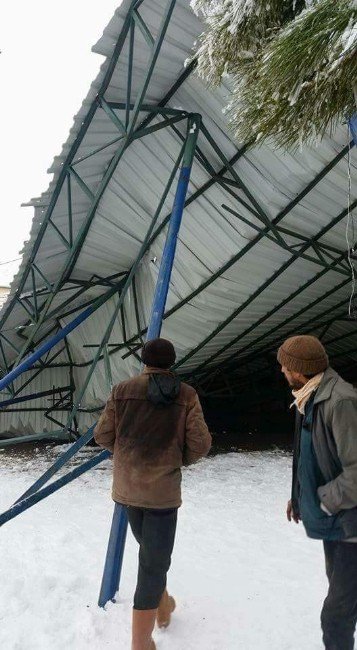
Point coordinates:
[(87, 436), (27, 363), (353, 127), (32, 499), (168, 256), (116, 545), (59, 463)]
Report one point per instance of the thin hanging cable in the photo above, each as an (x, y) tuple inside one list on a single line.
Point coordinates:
[(10, 261), (350, 225)]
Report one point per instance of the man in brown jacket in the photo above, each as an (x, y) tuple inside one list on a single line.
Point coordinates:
[(154, 425), (324, 487)]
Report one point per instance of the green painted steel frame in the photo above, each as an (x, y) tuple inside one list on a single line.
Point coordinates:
[(266, 233), (41, 314), (73, 247), (186, 150), (330, 258), (305, 242), (267, 283)]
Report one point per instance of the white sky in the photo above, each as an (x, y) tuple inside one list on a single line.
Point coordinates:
[(46, 68)]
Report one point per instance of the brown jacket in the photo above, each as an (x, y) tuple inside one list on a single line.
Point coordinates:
[(151, 484)]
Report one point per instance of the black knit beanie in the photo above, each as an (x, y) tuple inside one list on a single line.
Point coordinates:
[(304, 354), (158, 353)]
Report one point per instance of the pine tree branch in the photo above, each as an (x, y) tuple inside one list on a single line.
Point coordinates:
[(298, 78)]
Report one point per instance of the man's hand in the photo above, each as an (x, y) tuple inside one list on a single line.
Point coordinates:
[(291, 515)]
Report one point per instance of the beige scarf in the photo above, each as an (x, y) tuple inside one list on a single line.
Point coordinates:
[(302, 395)]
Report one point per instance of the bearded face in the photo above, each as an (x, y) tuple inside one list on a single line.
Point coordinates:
[(294, 379)]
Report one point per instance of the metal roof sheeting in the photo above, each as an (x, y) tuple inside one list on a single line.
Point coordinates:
[(270, 183)]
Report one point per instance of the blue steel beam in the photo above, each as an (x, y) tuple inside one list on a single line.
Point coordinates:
[(32, 499), (34, 494), (60, 462), (353, 127), (27, 363), (105, 282), (115, 552), (88, 436)]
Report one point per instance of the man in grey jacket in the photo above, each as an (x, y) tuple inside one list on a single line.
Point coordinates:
[(324, 487)]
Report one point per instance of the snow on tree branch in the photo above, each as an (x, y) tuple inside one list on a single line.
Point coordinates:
[(293, 64)]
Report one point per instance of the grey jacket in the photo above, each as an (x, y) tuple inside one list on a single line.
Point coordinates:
[(334, 436)]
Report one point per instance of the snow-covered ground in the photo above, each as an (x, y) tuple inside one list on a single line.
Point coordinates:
[(244, 579)]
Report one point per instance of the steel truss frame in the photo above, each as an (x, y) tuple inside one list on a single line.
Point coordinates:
[(37, 302), (41, 285), (327, 257), (323, 257), (36, 292), (112, 570)]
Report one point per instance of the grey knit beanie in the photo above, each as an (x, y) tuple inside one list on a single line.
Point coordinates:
[(304, 354)]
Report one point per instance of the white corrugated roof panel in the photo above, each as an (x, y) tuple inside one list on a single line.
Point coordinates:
[(264, 185)]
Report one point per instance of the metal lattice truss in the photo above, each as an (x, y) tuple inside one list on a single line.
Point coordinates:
[(262, 251)]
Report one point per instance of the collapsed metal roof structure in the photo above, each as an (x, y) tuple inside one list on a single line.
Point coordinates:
[(261, 253)]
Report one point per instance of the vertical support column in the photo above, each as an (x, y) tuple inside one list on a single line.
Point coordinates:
[(353, 126), (116, 545)]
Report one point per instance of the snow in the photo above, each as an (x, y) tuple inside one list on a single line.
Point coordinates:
[(349, 37), (345, 45), (235, 11), (242, 576)]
